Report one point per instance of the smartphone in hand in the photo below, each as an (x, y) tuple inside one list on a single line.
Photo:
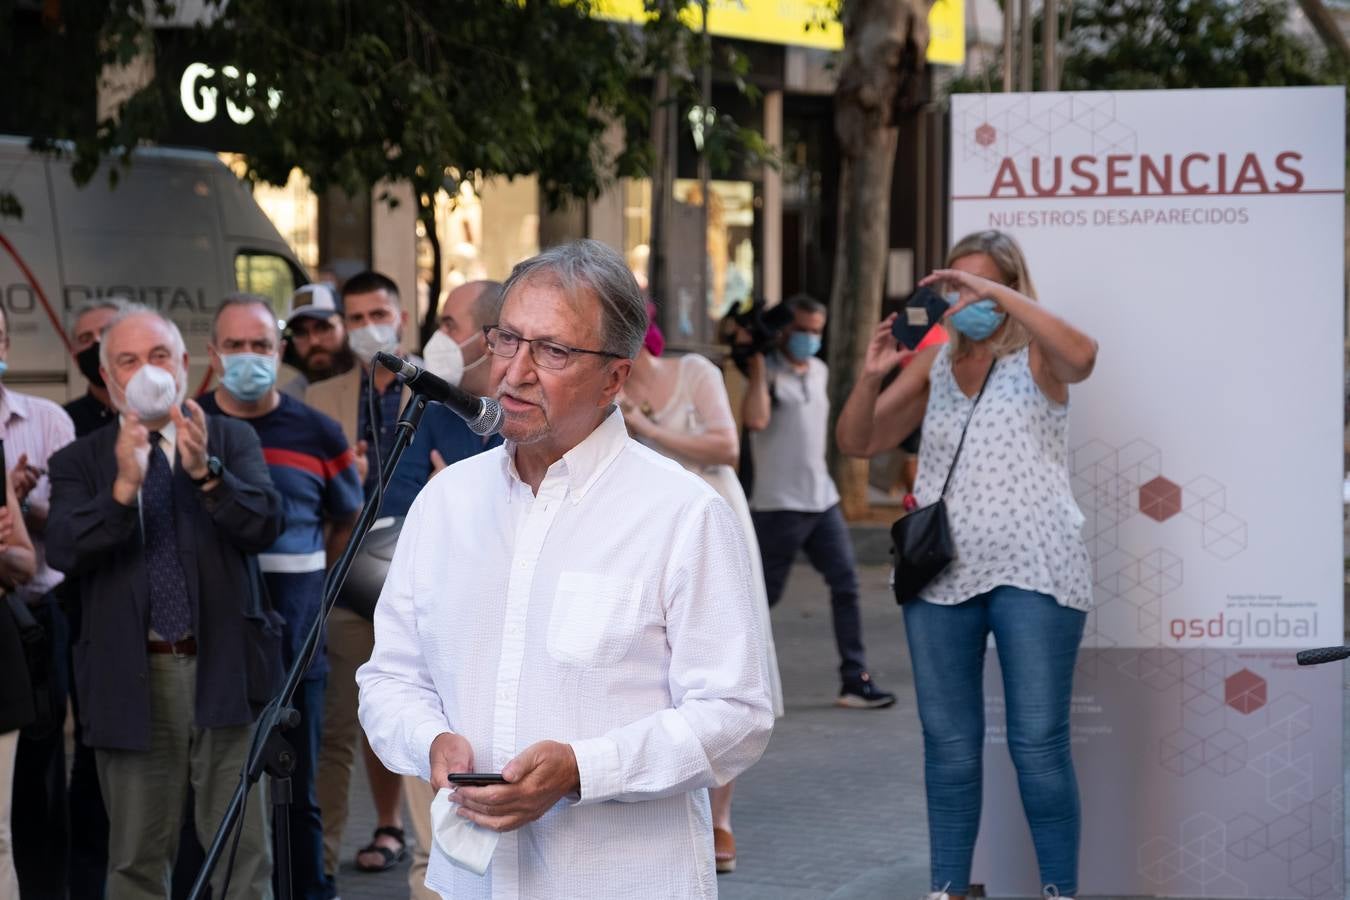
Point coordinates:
[(475, 779), (922, 312)]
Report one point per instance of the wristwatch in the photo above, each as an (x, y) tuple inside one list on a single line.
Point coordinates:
[(213, 470)]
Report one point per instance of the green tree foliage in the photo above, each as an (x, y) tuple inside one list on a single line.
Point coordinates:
[(1150, 44), (414, 90), (370, 89), (1142, 44)]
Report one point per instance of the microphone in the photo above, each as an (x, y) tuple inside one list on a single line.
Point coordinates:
[(483, 414), (1322, 655)]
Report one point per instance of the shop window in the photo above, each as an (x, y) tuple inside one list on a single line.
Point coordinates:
[(729, 241)]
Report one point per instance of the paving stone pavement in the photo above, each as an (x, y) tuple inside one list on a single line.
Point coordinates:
[(835, 809)]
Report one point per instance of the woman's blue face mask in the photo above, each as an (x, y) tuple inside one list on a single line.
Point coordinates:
[(979, 320)]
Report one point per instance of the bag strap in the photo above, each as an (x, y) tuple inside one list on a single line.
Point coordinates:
[(964, 428)]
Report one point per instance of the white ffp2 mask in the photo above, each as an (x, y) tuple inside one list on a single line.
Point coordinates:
[(152, 392), (371, 339)]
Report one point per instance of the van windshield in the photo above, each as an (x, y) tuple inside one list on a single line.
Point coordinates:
[(269, 274)]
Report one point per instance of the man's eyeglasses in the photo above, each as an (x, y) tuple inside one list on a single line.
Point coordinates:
[(546, 354)]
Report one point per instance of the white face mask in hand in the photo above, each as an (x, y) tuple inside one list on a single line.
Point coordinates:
[(467, 845), (152, 392), (371, 339)]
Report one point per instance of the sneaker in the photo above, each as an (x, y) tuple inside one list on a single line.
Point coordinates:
[(862, 693)]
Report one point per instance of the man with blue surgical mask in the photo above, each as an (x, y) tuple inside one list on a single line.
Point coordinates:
[(794, 502), (315, 472)]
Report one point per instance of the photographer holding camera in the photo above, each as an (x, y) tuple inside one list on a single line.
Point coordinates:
[(793, 502)]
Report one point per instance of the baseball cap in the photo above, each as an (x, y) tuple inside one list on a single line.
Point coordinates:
[(317, 301)]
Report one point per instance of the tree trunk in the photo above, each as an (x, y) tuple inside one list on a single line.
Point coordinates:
[(884, 46)]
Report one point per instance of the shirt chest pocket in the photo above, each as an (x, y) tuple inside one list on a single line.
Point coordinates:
[(594, 618)]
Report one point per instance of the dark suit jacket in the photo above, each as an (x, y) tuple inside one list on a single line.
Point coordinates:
[(97, 541)]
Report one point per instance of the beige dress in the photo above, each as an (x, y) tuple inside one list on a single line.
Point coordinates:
[(698, 404)]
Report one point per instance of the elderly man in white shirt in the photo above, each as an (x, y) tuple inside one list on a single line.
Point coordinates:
[(573, 611)]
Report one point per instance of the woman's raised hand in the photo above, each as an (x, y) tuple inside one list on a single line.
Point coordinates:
[(972, 288), (884, 352)]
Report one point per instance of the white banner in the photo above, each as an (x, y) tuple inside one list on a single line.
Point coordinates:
[(1199, 237)]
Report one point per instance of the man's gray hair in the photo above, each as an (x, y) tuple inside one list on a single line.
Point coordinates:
[(130, 310), (243, 299), (592, 266), (805, 303), (115, 303)]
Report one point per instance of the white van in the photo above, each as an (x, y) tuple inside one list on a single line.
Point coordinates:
[(178, 232)]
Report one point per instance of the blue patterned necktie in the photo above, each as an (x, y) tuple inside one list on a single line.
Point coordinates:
[(169, 613)]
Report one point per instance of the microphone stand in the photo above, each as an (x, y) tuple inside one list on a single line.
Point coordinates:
[(269, 751)]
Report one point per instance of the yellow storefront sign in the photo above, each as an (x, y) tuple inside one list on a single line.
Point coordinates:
[(801, 23)]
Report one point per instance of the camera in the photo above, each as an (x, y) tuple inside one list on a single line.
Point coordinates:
[(763, 325)]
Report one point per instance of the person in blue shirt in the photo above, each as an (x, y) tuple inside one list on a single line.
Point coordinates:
[(315, 472), (458, 353)]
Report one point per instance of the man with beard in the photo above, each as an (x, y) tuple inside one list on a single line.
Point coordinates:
[(316, 342)]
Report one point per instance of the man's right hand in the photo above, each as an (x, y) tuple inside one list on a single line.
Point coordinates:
[(449, 753), (132, 452), (23, 477), (362, 463)]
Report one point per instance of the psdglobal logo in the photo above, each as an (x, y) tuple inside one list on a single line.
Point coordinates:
[(1243, 627)]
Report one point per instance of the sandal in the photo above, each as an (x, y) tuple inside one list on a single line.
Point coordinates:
[(391, 857), (724, 851)]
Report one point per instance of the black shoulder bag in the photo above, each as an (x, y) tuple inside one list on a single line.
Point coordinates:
[(922, 540)]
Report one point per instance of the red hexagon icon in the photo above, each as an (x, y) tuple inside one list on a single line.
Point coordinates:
[(985, 135), (1245, 691), (1160, 499)]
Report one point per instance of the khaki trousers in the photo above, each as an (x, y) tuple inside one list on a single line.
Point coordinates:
[(419, 795), (145, 792), (350, 642)]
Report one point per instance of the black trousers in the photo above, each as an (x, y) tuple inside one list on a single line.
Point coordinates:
[(824, 538), (39, 818)]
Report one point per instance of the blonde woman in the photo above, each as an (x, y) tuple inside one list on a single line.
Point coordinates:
[(1021, 571)]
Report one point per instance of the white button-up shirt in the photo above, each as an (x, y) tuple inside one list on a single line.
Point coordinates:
[(612, 611), (35, 427)]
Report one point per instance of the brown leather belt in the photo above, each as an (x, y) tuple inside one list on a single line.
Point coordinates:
[(186, 647)]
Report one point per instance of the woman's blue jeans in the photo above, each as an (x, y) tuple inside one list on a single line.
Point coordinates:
[(1037, 642)]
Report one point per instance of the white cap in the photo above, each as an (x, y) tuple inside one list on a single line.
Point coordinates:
[(317, 301)]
